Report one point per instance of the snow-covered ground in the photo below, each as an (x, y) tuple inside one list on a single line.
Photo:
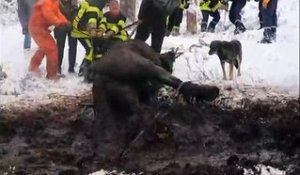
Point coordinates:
[(273, 65), (264, 65)]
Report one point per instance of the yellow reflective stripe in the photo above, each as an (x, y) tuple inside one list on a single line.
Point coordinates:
[(204, 6), (219, 5), (94, 9), (102, 25), (79, 34), (123, 35), (89, 55), (92, 21), (121, 23), (83, 6), (115, 29)]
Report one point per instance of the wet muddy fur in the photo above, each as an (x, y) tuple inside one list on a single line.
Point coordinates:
[(164, 139)]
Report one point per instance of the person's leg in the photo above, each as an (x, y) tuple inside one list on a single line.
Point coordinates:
[(268, 21), (36, 61), (72, 52), (157, 36), (260, 15), (214, 22), (60, 36), (274, 20), (236, 17), (47, 45), (39, 54), (205, 15), (267, 14), (142, 32), (177, 21), (171, 20), (88, 58), (27, 41)]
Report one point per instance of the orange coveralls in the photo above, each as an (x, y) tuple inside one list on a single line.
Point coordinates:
[(45, 14)]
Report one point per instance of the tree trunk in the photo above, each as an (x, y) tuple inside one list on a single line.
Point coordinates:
[(191, 22)]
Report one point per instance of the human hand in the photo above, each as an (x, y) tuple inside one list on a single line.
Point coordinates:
[(100, 33), (108, 34)]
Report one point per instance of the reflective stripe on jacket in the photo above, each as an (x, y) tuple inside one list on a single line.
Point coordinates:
[(89, 13), (115, 24), (204, 5)]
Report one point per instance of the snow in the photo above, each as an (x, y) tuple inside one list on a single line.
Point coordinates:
[(275, 66), (271, 65)]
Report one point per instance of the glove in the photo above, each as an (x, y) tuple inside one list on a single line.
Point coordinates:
[(108, 34), (195, 93), (100, 33), (265, 3), (93, 33)]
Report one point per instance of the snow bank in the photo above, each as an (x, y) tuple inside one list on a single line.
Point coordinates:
[(271, 65)]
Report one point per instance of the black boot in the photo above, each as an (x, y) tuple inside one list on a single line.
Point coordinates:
[(239, 28), (203, 27), (211, 27), (84, 67), (273, 33), (267, 36)]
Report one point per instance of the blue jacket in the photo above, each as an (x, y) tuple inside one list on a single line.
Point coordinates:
[(24, 13)]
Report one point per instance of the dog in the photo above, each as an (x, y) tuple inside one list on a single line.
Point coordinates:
[(230, 52)]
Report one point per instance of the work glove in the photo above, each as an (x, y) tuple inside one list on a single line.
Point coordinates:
[(93, 33), (92, 30), (108, 34), (100, 33), (265, 3)]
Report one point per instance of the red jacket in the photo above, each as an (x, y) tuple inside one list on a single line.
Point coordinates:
[(46, 13)]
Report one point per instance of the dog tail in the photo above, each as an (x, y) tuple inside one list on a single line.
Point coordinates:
[(194, 45)]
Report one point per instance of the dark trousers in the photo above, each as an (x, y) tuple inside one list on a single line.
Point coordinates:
[(157, 31), (175, 18), (60, 36), (235, 12), (269, 15), (88, 46), (213, 23), (260, 14)]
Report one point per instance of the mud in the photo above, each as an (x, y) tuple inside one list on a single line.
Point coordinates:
[(168, 138)]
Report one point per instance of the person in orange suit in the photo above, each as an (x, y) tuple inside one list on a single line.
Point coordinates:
[(45, 14)]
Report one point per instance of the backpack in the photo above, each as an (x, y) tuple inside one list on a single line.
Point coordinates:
[(168, 6)]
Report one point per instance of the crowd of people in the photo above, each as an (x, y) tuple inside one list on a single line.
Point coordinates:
[(97, 31)]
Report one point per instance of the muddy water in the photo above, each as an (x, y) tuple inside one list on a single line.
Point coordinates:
[(166, 139)]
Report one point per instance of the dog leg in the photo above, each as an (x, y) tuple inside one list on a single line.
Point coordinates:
[(239, 68), (223, 69), (231, 71)]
